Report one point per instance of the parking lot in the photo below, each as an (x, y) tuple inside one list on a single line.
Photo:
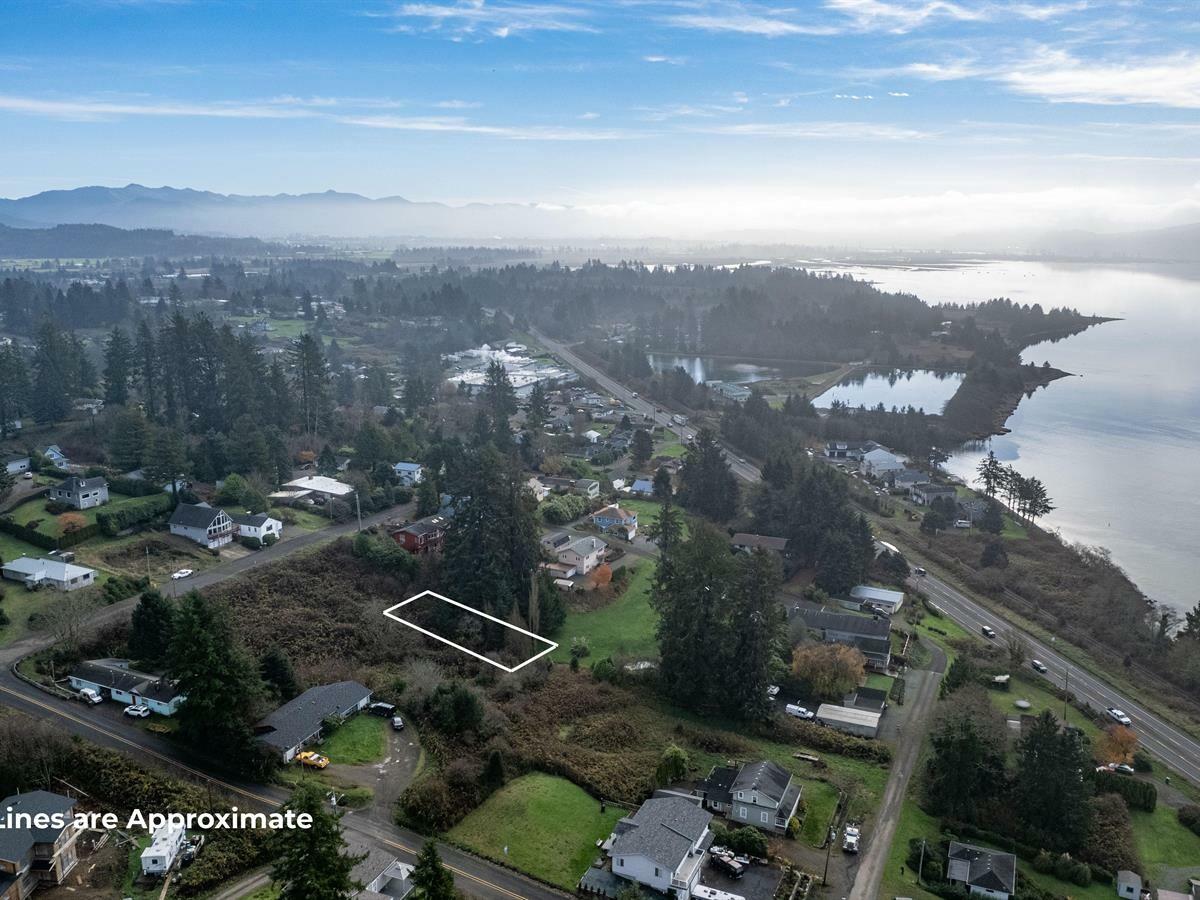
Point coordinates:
[(758, 882)]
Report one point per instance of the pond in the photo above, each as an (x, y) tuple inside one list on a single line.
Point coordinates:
[(921, 388), (710, 368)]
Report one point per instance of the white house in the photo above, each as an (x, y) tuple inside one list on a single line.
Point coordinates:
[(56, 456), (592, 436), (81, 493), (409, 473), (540, 491), (258, 525), (662, 846), (61, 576), (984, 873), (207, 525), (163, 850), (583, 555), (113, 679), (15, 465), (880, 462), (889, 601), (321, 484)]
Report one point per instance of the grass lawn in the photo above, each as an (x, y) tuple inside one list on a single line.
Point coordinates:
[(304, 519), (358, 741), (134, 869), (647, 512), (49, 525), (11, 548), (1041, 699), (671, 447), (625, 627), (914, 823), (353, 796), (280, 328), (879, 681), (548, 825), (270, 892), (1164, 843), (820, 799)]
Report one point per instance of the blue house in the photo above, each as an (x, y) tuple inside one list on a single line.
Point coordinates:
[(613, 518), (643, 487)]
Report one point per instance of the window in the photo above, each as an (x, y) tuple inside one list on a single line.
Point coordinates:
[(741, 812), (657, 872), (620, 862), (763, 816)]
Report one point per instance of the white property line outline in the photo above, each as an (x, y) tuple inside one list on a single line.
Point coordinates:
[(390, 613)]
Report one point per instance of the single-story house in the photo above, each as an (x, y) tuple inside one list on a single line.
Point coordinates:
[(321, 484), (984, 873), (163, 850), (409, 473), (879, 462), (868, 634), (555, 541), (300, 721), (887, 600), (424, 535), (540, 491), (747, 542), (587, 487), (114, 679), (30, 857), (16, 464), (583, 554), (762, 794), (662, 846), (1129, 885), (55, 455), (613, 518), (926, 492), (81, 493), (556, 484), (257, 525), (642, 487), (592, 436), (61, 576), (850, 719), (735, 392), (207, 525), (903, 479), (381, 874)]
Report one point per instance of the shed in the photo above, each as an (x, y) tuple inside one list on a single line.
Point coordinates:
[(861, 722)]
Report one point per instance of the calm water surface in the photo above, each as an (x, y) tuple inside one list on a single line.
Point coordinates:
[(919, 388), (1118, 445)]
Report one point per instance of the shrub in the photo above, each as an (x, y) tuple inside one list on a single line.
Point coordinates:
[(1110, 842), (1140, 795), (1189, 817), (57, 507), (250, 541), (121, 587), (563, 508), (828, 740), (1142, 762), (270, 540), (1064, 866), (745, 841), (1043, 862), (133, 487), (1082, 875), (114, 521)]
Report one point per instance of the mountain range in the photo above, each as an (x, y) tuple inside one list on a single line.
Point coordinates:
[(98, 241)]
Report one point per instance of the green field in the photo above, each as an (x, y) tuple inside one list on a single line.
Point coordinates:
[(1164, 844), (358, 741), (647, 513), (625, 627), (820, 800), (280, 328), (49, 524), (547, 825)]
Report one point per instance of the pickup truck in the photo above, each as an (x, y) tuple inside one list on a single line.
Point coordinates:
[(850, 839)]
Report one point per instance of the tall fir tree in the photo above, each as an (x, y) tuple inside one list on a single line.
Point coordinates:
[(432, 880), (14, 388), (52, 379), (313, 863), (152, 628), (118, 367), (146, 368)]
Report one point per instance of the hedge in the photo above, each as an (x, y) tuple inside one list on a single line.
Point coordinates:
[(1138, 794), (829, 740), (113, 521), (134, 487), (45, 541), (1189, 817)]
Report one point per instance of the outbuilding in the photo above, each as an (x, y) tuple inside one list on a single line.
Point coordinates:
[(861, 722)]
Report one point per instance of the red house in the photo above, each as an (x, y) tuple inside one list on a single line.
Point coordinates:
[(423, 536)]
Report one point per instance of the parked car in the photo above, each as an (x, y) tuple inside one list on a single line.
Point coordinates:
[(1038, 666), (89, 696), (1118, 716), (772, 691), (728, 865), (312, 759), (383, 710), (850, 839), (1123, 768), (988, 632), (138, 711), (920, 570), (962, 523), (28, 476), (397, 723), (182, 573), (800, 712)]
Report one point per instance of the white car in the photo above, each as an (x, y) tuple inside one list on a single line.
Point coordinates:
[(1118, 716), (800, 712), (138, 711), (772, 691), (89, 696), (850, 839), (182, 573)]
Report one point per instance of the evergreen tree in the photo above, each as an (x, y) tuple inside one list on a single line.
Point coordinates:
[(313, 862), (539, 407), (277, 673), (500, 402), (431, 880), (166, 460), (14, 387), (327, 462), (118, 368), (966, 768), (311, 380), (662, 484), (1052, 788), (707, 485), (146, 366), (53, 360), (993, 518), (640, 448), (152, 628), (756, 635), (428, 500), (129, 442), (372, 445)]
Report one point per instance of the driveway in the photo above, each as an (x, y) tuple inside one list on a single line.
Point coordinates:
[(389, 778)]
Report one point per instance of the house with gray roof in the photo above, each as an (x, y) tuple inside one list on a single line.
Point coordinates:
[(16, 463), (765, 795), (381, 873), (81, 493), (36, 573), (982, 872), (117, 680), (207, 525), (31, 857), (869, 634), (302, 720), (662, 846)]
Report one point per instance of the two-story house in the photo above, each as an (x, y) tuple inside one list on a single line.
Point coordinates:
[(409, 474), (662, 846), (583, 555), (206, 525), (81, 493), (30, 857), (423, 536), (614, 518), (762, 794), (258, 525)]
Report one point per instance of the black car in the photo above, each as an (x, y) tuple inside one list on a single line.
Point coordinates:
[(383, 710), (397, 723), (728, 865)]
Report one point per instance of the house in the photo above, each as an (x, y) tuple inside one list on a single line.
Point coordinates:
[(555, 541), (165, 844), (556, 484), (55, 456), (300, 721), (868, 698), (643, 487), (887, 600), (849, 449), (62, 576), (540, 491), (321, 484), (116, 680), (592, 436), (735, 392), (613, 518), (904, 479), (850, 719), (381, 874), (409, 473), (1129, 885), (762, 794), (747, 543), (207, 525), (926, 492), (423, 536), (587, 487), (879, 462), (16, 464), (258, 525), (34, 856), (868, 634), (984, 873), (583, 554), (81, 493), (662, 846)]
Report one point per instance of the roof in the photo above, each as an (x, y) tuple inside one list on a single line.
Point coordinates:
[(881, 455), (255, 520), (321, 484), (75, 484), (586, 483), (15, 457), (406, 466), (831, 712), (642, 485), (663, 829), (116, 674), (862, 626), (195, 515), (1132, 878), (988, 869), (15, 843), (716, 786), (427, 525), (586, 545), (745, 539), (878, 595), (928, 487), (47, 568), (612, 511), (301, 718), (769, 779)]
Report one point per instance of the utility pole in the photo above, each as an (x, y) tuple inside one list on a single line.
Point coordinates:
[(921, 867), (1066, 689), (358, 510)]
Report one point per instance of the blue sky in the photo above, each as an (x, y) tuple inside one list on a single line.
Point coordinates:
[(853, 117)]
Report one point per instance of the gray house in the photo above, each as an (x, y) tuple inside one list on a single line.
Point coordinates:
[(762, 794), (81, 493), (926, 492), (301, 721), (41, 854), (869, 635), (982, 872), (381, 873)]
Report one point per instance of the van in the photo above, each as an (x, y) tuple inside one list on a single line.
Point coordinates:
[(89, 696), (988, 632)]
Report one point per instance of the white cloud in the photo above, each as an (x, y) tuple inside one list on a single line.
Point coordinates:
[(454, 125), (865, 131), (897, 93), (742, 22), (588, 116), (474, 18), (853, 97), (902, 16), (666, 60), (458, 104)]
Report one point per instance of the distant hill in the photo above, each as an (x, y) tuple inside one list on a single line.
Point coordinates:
[(1180, 243), (331, 213), (95, 241)]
